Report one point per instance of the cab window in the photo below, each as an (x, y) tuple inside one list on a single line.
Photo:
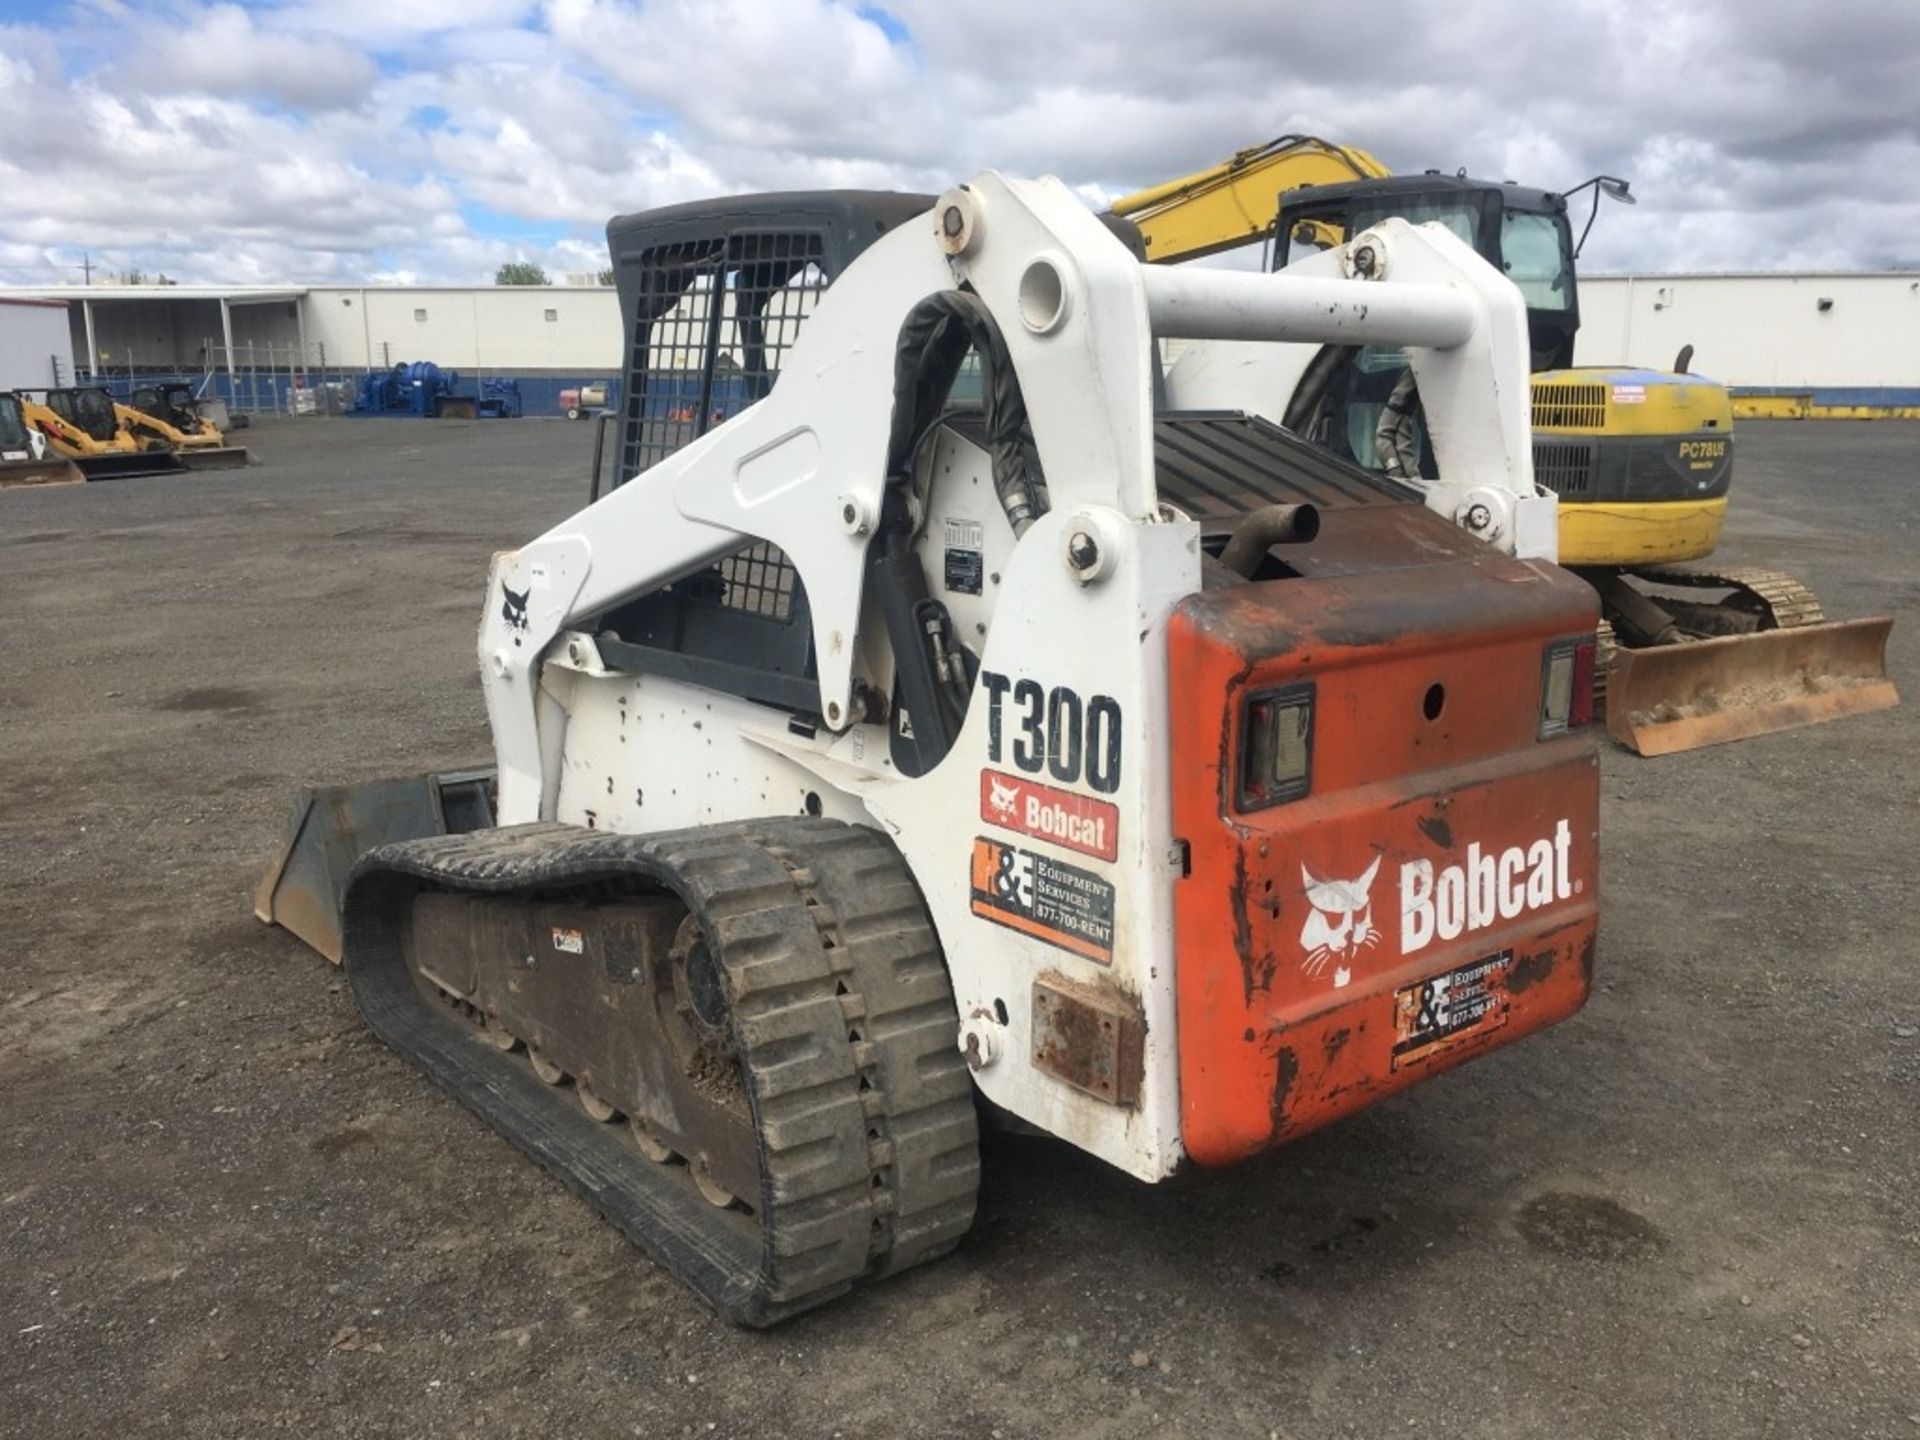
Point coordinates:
[(1533, 250)]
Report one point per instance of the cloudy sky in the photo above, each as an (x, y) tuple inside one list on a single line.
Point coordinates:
[(316, 140)]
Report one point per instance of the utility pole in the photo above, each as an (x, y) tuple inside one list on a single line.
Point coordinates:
[(85, 267)]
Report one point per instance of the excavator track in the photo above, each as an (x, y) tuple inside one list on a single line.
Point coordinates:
[(765, 1002), (1774, 599)]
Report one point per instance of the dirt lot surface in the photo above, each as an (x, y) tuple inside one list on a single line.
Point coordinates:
[(225, 1210)]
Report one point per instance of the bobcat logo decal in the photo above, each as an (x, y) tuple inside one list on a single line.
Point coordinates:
[(1340, 924), (1005, 797), (514, 611)]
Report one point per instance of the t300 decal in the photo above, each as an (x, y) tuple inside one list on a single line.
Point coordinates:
[(1054, 731)]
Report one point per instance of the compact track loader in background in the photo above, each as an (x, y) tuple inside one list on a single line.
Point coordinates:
[(1166, 781), (83, 424), (167, 413), (24, 459), (1642, 460)]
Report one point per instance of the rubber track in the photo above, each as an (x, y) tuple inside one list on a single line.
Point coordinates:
[(1789, 602), (862, 1105)]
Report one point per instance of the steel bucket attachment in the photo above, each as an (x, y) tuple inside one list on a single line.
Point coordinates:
[(1667, 698), (54, 470), (216, 457), (128, 467), (332, 826)]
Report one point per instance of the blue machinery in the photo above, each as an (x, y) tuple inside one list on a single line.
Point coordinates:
[(421, 389)]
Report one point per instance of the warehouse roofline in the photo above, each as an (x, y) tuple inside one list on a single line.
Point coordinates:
[(106, 294), (1666, 275), (245, 294)]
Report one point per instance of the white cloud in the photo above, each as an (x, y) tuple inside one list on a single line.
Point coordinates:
[(221, 51), (315, 139)]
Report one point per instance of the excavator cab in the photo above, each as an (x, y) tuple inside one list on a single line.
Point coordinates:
[(1524, 232)]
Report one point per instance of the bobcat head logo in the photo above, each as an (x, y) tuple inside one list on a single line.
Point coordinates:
[(1002, 797), (1340, 924), (514, 611)]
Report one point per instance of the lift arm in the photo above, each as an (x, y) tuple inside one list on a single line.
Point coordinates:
[(1235, 201)]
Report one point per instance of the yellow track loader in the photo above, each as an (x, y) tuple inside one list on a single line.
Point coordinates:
[(83, 425), (1641, 460), (169, 414)]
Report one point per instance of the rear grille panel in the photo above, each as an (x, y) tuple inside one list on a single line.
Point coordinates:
[(1564, 466), (1570, 405)]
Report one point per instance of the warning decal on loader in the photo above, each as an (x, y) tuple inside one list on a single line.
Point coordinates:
[(1039, 896)]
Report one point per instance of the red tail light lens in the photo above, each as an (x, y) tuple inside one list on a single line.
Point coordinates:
[(1566, 686), (1580, 712)]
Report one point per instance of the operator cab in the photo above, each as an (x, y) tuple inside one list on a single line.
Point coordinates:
[(88, 408), (172, 402), (14, 440)]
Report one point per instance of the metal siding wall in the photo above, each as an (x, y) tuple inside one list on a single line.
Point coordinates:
[(492, 329), (1759, 330), (31, 338), (150, 334)]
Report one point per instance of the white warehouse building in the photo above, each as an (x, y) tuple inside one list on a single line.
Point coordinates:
[(36, 343), (1840, 338)]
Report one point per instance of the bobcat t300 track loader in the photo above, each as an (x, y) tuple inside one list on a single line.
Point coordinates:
[(926, 717)]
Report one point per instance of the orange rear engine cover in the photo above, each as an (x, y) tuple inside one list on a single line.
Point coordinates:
[(1434, 893)]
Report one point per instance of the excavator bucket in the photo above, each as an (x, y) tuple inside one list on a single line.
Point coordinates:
[(1668, 698), (332, 826)]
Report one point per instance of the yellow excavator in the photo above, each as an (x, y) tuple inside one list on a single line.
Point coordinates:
[(1641, 460)]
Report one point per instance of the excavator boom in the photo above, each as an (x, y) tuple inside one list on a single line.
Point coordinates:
[(1235, 201)]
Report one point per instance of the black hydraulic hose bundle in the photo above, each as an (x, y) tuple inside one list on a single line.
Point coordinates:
[(933, 671), (933, 344)]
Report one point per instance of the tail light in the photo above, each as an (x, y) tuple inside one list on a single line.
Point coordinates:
[(1276, 746), (1566, 686)]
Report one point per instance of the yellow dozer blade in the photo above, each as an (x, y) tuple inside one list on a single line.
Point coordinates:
[(1668, 698)]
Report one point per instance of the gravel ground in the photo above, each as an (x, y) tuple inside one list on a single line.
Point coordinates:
[(225, 1210)]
